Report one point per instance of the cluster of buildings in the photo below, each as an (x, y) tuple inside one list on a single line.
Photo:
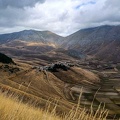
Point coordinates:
[(53, 67)]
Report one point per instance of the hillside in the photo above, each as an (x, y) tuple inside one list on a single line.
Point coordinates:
[(100, 42), (39, 86), (30, 44), (36, 84), (31, 35), (5, 59), (12, 108), (48, 70)]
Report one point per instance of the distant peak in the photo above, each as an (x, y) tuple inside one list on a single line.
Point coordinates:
[(28, 30), (32, 31)]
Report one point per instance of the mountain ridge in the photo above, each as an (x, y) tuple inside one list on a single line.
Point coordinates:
[(98, 41), (30, 35), (101, 42)]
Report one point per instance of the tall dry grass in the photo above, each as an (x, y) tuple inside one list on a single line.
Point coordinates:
[(13, 109)]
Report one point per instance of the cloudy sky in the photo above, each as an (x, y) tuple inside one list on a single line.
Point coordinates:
[(60, 16)]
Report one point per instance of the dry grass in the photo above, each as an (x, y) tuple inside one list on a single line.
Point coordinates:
[(39, 87), (87, 74), (12, 109)]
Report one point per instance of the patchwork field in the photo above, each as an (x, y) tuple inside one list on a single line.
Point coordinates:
[(34, 86)]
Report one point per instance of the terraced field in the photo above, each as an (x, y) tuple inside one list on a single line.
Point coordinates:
[(39, 86), (107, 93)]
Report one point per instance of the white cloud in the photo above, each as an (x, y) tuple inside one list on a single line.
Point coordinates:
[(62, 17)]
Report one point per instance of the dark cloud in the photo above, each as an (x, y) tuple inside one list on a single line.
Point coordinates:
[(10, 17), (19, 3), (112, 4)]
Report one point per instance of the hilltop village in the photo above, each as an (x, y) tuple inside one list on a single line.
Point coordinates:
[(53, 67)]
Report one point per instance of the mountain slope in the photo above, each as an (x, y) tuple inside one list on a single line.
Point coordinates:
[(31, 35), (98, 41), (101, 42), (29, 43)]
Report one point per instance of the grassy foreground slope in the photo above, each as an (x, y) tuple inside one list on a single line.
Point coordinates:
[(37, 87), (12, 109)]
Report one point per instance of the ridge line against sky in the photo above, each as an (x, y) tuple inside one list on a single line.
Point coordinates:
[(62, 17)]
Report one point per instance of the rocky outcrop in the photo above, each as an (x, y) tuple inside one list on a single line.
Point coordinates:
[(5, 59)]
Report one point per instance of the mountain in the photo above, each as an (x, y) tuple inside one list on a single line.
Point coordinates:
[(31, 35), (30, 43), (48, 69), (102, 42)]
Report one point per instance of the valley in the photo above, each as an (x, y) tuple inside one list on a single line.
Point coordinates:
[(50, 67), (37, 83)]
